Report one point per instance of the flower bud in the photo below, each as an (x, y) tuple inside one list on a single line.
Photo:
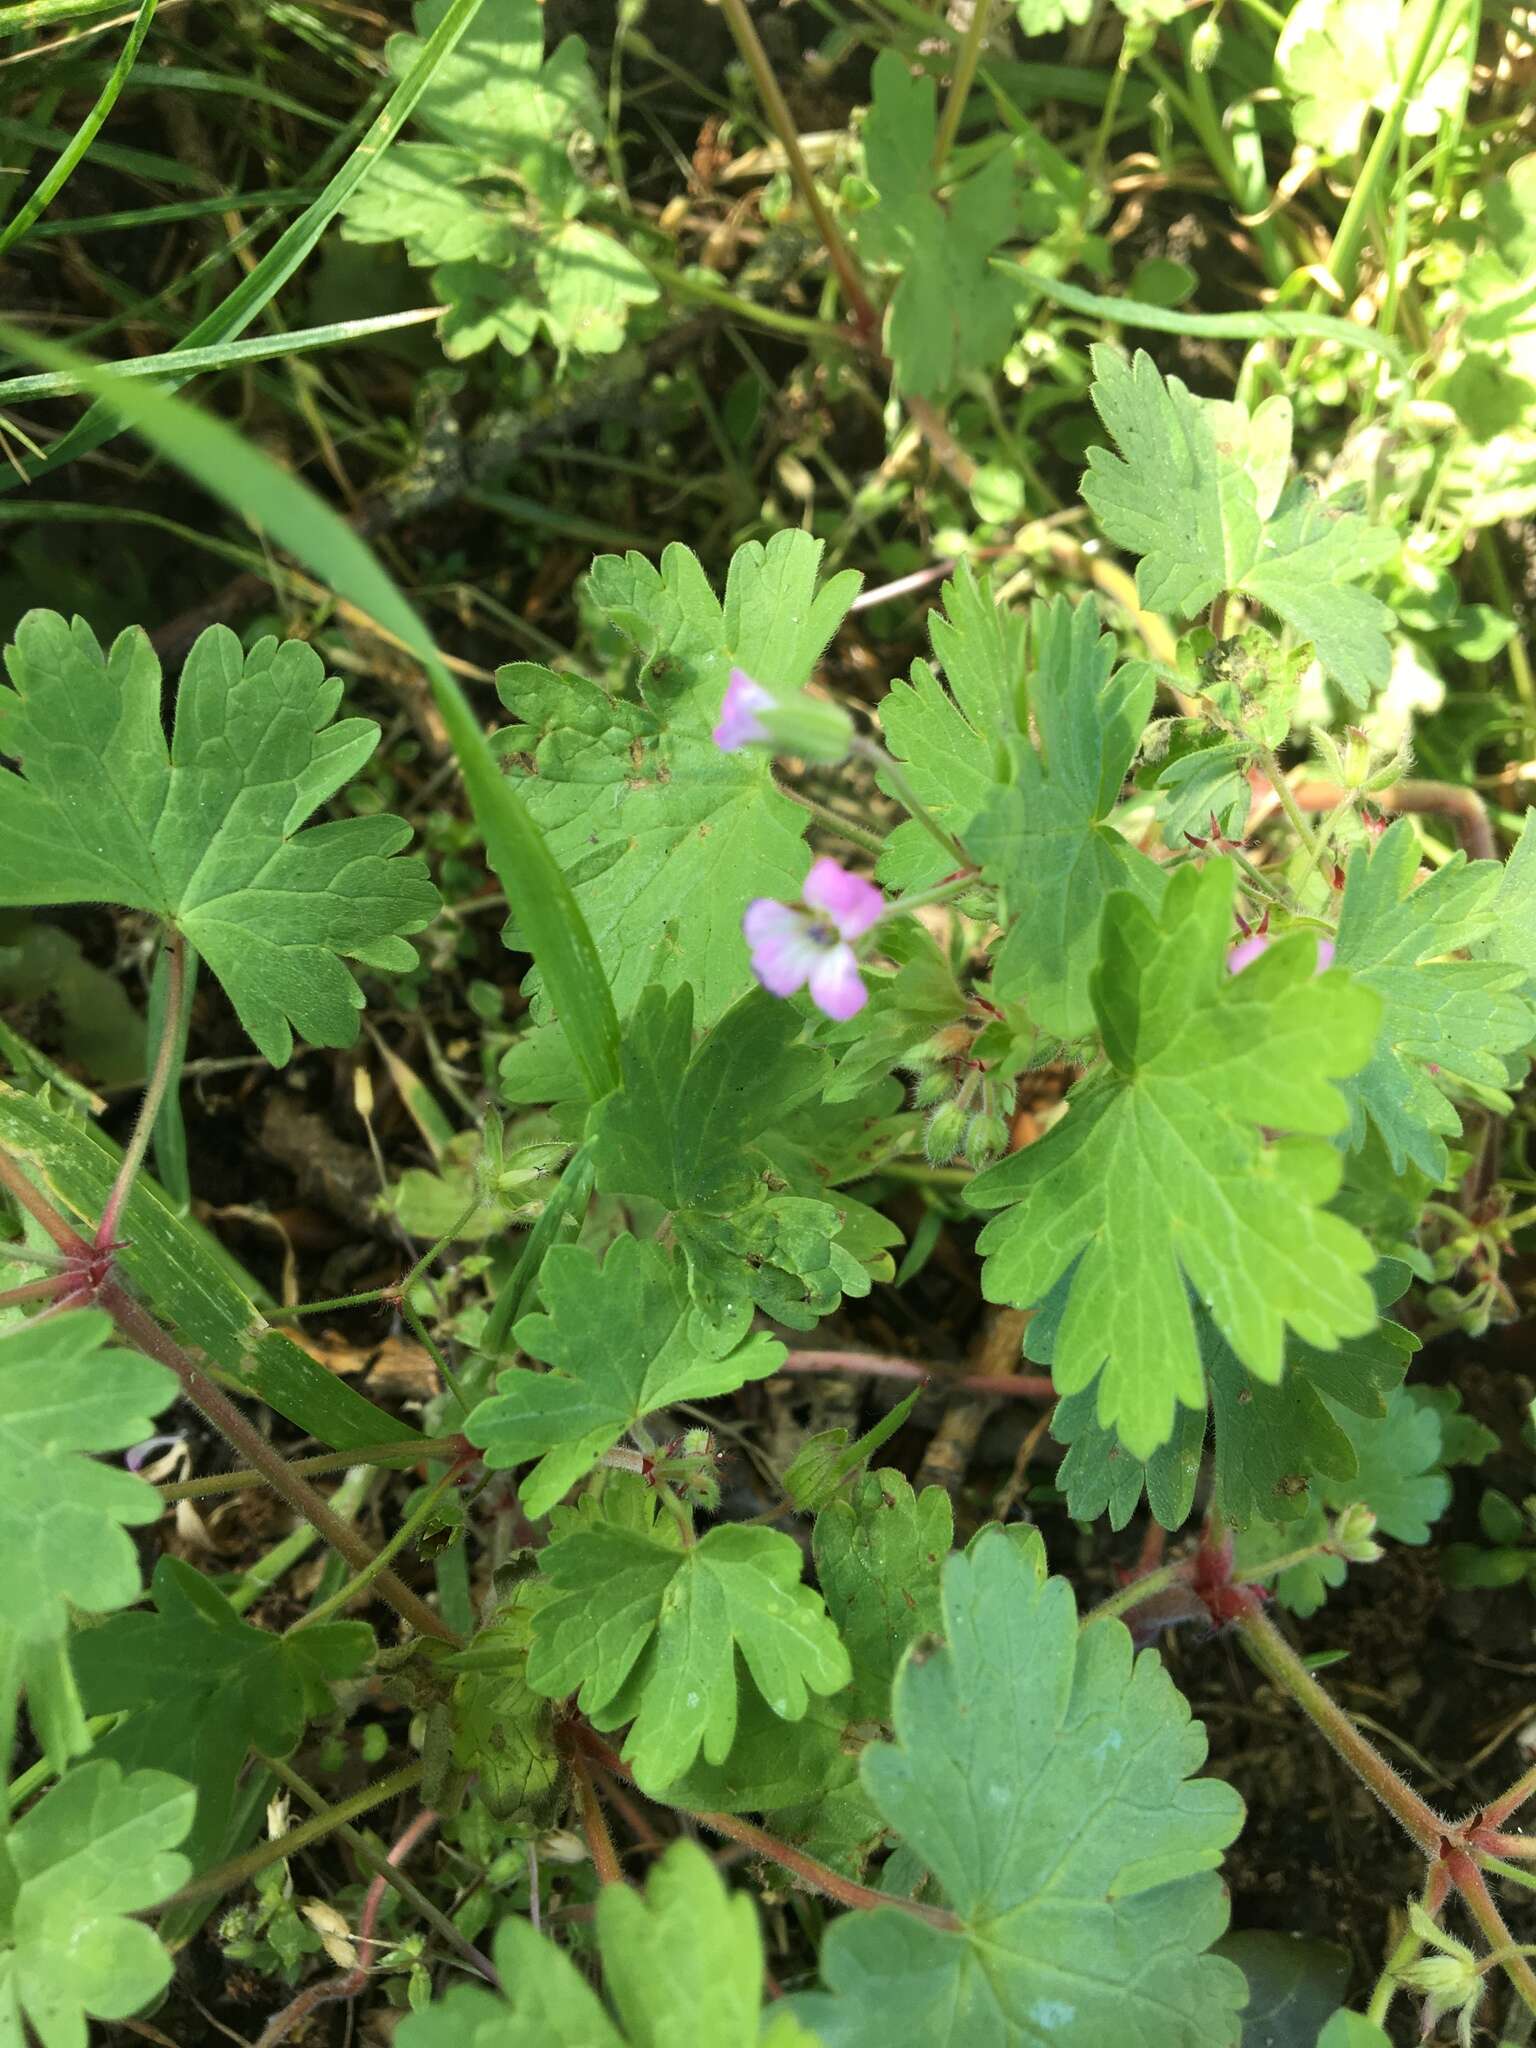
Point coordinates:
[(1353, 1530), (946, 1130), (986, 1139), (1205, 44)]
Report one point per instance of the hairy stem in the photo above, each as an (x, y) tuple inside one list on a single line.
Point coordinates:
[(160, 1074), (1026, 1386), (817, 1876), (960, 85), (343, 1597), (1473, 1886), (834, 821), (145, 1334), (40, 1209), (895, 776), (593, 1824), (1510, 1802), (1280, 1663), (1285, 796)]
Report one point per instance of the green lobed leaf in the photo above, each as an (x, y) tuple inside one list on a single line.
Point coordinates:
[(951, 311), (1160, 1179), (1043, 1776), (206, 833), (1513, 936), (201, 1688), (1043, 834), (96, 1848), (879, 1553), (648, 1633), (1295, 1982), (1340, 59), (952, 734), (664, 838), (682, 1961), (64, 1516), (686, 1129), (618, 1337), (1196, 491), (1445, 1021)]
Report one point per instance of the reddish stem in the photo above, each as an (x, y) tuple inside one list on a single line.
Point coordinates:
[(1511, 1801), (593, 1824), (1472, 1885), (40, 1209)]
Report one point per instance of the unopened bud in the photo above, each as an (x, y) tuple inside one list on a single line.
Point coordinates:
[(946, 1131), (986, 1139), (934, 1087), (947, 1044), (811, 727), (1205, 44), (1353, 1530)]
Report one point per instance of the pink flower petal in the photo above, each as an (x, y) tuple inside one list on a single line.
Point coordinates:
[(837, 989), (1245, 952), (1324, 954), (852, 903), (739, 725), (784, 955)]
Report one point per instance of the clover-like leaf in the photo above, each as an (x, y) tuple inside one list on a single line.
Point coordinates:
[(200, 1687), (96, 1849), (664, 838), (685, 1130), (1163, 1177), (206, 833), (1043, 834), (952, 310), (1339, 59), (618, 1338), (951, 734), (64, 1517), (1196, 491), (648, 1633), (683, 1961), (1043, 1774), (1445, 1021)]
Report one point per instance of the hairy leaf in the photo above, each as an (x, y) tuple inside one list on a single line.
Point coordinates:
[(617, 1336), (648, 1632), (1161, 1177), (952, 311), (686, 1129), (1043, 834), (1444, 1020), (1196, 491), (683, 1961), (1043, 1776), (97, 1848), (952, 734), (664, 838), (878, 1556), (206, 833), (202, 1687), (64, 1516)]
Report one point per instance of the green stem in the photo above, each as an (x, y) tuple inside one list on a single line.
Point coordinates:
[(896, 780), (268, 1569), (398, 1450), (1138, 1590), (1280, 1663), (345, 1595), (399, 1289), (966, 60), (1266, 758), (239, 1868), (920, 899), (835, 822), (166, 1054), (20, 1790), (849, 276)]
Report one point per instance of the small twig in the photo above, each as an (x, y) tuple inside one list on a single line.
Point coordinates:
[(40, 1209)]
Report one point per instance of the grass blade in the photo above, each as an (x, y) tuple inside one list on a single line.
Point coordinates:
[(54, 183)]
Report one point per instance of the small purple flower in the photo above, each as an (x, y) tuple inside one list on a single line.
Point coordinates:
[(1246, 951), (791, 947), (140, 1454), (739, 724)]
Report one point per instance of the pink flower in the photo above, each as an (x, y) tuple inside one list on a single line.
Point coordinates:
[(1246, 951), (739, 724), (791, 947)]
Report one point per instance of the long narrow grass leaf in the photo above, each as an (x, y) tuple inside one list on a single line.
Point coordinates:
[(53, 184)]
